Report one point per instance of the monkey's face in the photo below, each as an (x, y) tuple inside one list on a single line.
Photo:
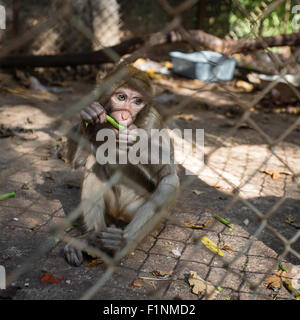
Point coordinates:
[(125, 104)]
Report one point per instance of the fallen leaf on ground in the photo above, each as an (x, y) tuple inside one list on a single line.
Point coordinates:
[(246, 86), (292, 222), (95, 263), (161, 273), (47, 277), (202, 287), (187, 117), (274, 174), (136, 283), (222, 220), (209, 244), (226, 248), (198, 192), (274, 280), (195, 225)]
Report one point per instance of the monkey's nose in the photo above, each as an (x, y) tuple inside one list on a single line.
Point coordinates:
[(125, 115)]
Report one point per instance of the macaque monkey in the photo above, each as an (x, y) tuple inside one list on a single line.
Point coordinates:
[(124, 208)]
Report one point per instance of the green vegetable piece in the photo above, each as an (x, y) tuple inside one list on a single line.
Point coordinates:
[(224, 221), (114, 122), (86, 123), (56, 239), (283, 268), (7, 195)]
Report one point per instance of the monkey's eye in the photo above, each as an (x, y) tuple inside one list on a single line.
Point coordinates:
[(138, 101), (121, 97)]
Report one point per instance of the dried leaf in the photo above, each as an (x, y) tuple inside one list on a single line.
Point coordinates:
[(289, 220), (274, 280), (246, 86), (47, 277), (136, 283), (94, 262), (227, 248), (274, 174), (193, 225), (187, 117), (198, 192), (161, 273), (168, 64), (209, 244), (202, 287)]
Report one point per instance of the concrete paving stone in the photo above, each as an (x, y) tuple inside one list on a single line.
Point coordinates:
[(193, 253), (239, 264), (180, 289), (172, 232), (147, 243), (154, 286), (30, 219), (159, 262), (183, 269), (198, 234), (249, 296), (258, 248), (165, 247), (231, 280), (121, 278), (7, 214), (261, 264), (253, 280), (46, 206), (135, 260)]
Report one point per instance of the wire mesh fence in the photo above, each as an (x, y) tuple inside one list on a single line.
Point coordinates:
[(241, 241)]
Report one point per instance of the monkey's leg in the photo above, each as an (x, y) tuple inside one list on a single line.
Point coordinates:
[(93, 209)]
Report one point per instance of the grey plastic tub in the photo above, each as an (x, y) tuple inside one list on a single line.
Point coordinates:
[(203, 65)]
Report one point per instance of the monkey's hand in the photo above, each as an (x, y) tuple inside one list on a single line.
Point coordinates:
[(127, 137), (94, 113), (112, 239)]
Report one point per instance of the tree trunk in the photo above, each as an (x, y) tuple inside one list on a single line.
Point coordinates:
[(101, 56)]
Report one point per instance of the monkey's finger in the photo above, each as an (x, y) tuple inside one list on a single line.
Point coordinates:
[(110, 235), (114, 229), (92, 113), (85, 116), (100, 111), (111, 244), (73, 255)]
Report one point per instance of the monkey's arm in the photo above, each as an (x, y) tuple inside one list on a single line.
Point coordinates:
[(163, 197)]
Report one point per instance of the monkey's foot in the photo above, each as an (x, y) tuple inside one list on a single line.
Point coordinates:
[(73, 255)]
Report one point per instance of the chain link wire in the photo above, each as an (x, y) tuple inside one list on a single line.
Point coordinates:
[(74, 27)]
